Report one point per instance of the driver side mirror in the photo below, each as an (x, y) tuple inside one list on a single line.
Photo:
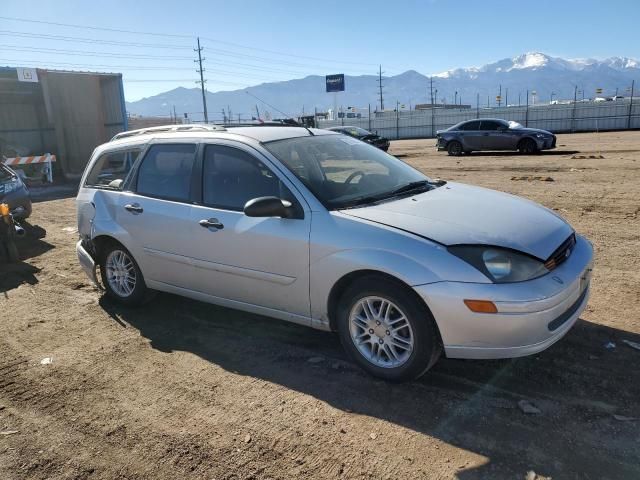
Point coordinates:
[(269, 207)]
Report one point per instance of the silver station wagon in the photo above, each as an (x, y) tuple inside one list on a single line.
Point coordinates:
[(324, 230)]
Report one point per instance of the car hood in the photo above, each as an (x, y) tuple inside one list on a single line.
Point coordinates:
[(456, 214)]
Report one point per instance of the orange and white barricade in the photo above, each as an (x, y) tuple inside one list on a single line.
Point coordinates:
[(45, 158)]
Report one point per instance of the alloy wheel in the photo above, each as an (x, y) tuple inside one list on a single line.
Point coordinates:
[(381, 332), (120, 273)]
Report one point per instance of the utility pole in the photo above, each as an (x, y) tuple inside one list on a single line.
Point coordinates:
[(633, 84), (455, 98), (573, 113), (433, 132), (229, 114), (380, 87), (500, 96), (506, 97), (202, 80), (526, 115), (477, 105), (519, 95)]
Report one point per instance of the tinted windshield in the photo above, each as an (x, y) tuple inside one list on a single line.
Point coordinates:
[(343, 172)]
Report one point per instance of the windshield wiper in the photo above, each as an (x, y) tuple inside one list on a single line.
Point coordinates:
[(409, 187)]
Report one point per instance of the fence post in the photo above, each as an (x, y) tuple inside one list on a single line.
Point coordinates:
[(573, 112), (477, 105), (526, 115), (369, 117), (397, 120)]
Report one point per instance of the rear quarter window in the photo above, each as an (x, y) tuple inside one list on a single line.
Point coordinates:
[(111, 168)]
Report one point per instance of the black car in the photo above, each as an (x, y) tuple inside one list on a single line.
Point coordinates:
[(14, 192), (364, 135)]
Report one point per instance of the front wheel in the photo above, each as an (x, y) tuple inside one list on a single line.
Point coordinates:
[(121, 276), (454, 148), (527, 146), (387, 330)]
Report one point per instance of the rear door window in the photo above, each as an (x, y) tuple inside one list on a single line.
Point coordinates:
[(111, 168), (475, 125), (166, 172)]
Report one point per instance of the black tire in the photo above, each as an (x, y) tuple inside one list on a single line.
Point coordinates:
[(454, 148), (527, 146), (427, 346), (139, 292)]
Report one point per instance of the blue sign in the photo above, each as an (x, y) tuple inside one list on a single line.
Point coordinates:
[(335, 83)]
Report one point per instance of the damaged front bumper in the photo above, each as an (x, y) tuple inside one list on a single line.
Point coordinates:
[(87, 262)]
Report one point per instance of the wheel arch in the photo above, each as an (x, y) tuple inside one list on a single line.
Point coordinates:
[(348, 279)]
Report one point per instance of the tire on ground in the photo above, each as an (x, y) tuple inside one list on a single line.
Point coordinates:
[(427, 343), (140, 292)]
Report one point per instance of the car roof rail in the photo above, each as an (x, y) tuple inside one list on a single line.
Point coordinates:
[(170, 129)]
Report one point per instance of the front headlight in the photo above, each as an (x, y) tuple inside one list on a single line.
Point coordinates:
[(540, 135), (500, 265), (12, 186)]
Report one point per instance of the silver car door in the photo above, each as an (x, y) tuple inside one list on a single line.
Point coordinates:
[(256, 261), (155, 214)]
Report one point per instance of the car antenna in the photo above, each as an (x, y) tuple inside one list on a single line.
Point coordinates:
[(289, 119)]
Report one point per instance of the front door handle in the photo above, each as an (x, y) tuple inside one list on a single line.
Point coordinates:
[(133, 208), (211, 223)]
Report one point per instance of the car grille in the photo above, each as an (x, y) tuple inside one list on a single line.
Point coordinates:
[(561, 254)]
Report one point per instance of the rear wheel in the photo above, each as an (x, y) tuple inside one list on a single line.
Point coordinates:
[(527, 146), (121, 276), (387, 330), (454, 148)]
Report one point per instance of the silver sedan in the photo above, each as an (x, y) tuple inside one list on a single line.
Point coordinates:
[(324, 230)]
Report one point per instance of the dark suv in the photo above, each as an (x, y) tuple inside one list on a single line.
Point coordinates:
[(493, 134)]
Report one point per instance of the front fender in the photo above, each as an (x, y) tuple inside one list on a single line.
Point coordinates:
[(327, 271)]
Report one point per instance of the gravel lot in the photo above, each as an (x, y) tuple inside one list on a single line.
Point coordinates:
[(181, 389)]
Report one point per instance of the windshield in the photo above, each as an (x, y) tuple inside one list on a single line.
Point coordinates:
[(357, 131), (514, 125), (5, 174), (343, 172)]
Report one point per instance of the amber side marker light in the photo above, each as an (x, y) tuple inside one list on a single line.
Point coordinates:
[(481, 306), (4, 210)]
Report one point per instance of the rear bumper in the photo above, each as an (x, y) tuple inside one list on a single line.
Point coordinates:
[(531, 315), (87, 262)]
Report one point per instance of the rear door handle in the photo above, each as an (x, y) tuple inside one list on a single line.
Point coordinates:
[(211, 223), (133, 208)]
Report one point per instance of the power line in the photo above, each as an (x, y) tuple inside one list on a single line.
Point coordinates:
[(88, 27), (86, 53), (64, 38)]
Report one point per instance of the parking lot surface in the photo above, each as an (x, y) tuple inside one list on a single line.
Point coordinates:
[(182, 389)]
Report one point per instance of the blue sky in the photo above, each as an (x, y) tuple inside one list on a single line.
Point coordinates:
[(249, 42)]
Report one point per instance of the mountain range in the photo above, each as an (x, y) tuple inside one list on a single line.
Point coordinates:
[(549, 77)]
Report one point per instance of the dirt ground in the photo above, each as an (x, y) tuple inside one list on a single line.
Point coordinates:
[(181, 389)]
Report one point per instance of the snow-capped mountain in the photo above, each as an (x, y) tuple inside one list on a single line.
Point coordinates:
[(550, 77)]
